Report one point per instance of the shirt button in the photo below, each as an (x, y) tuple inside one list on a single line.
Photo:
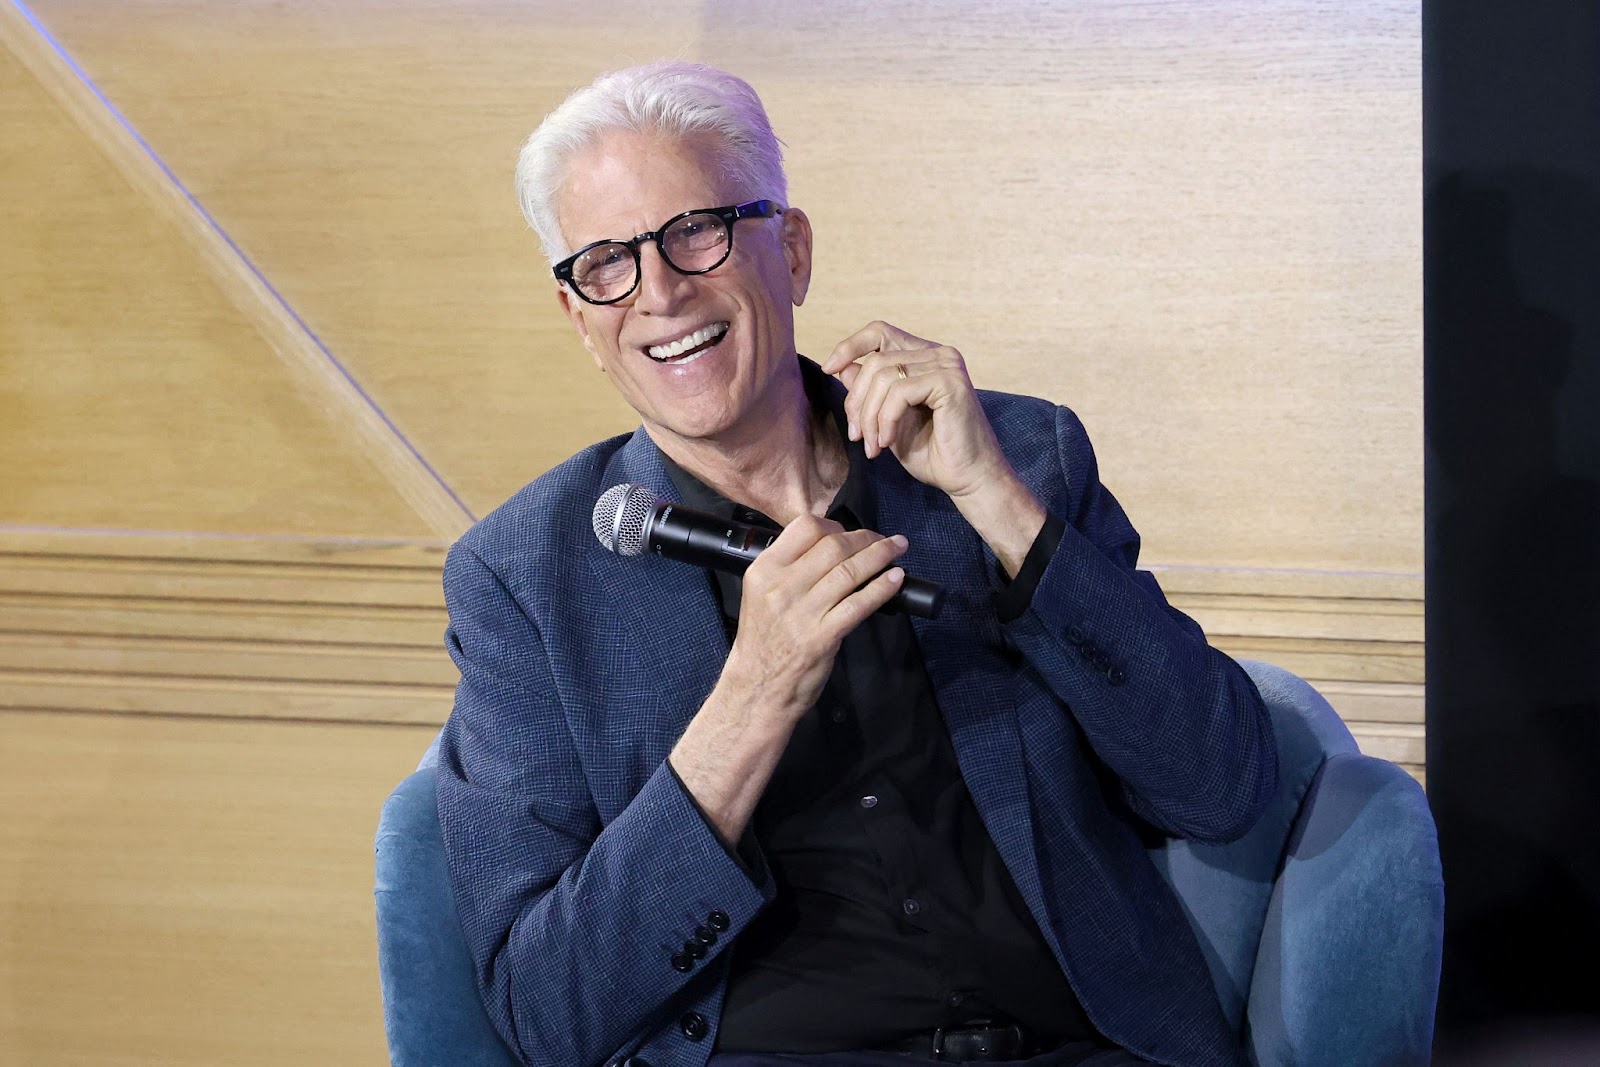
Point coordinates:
[(955, 1000), (694, 1026), (910, 905), (839, 715), (869, 801)]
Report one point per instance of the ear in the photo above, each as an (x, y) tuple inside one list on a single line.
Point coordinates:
[(796, 239), (575, 310)]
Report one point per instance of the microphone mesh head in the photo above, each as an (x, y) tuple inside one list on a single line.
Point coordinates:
[(620, 516)]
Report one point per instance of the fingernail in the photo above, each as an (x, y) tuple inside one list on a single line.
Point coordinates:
[(900, 539), (851, 431), (895, 575)]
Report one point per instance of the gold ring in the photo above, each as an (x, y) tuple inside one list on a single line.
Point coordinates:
[(900, 371)]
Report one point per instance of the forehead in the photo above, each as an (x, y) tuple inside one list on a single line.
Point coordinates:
[(626, 183)]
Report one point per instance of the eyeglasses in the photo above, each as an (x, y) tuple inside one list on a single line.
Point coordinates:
[(691, 243)]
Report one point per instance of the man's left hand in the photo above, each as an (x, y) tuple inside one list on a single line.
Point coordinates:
[(914, 398)]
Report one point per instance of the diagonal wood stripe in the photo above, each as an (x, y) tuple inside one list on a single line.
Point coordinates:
[(314, 369)]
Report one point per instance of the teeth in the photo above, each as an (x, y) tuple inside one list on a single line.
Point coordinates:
[(683, 344)]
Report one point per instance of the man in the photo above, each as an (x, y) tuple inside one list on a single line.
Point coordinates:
[(695, 818)]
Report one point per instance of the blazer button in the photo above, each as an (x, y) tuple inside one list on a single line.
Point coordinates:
[(694, 1026), (1074, 635), (682, 963), (719, 921), (1115, 676), (635, 1061), (694, 949), (705, 936)]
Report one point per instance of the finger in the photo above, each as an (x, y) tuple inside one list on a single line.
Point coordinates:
[(888, 393), (838, 551), (909, 397), (866, 377), (869, 338), (798, 538), (854, 609), (877, 336), (802, 574), (858, 569)]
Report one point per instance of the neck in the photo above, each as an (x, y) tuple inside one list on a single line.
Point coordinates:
[(783, 470)]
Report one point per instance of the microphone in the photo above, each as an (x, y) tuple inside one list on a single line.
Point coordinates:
[(629, 520)]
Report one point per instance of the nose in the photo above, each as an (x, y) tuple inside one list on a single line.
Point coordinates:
[(661, 289)]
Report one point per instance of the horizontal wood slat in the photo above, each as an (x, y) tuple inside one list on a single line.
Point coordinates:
[(266, 629), (222, 620), (212, 697), (290, 661), (346, 630)]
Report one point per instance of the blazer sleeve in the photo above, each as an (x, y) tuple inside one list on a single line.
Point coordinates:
[(577, 929), (1179, 723)]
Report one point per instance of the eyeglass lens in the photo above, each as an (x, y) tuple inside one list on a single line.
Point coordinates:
[(693, 244)]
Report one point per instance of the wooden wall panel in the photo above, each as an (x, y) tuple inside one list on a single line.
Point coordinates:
[(1196, 223), (1220, 204), (305, 630), (351, 632), (190, 892), (131, 394)]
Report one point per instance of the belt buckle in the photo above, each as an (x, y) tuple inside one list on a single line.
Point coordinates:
[(941, 1033)]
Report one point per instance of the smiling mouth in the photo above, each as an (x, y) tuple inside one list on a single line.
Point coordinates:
[(691, 347)]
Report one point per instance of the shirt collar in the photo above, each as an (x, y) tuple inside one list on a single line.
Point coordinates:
[(852, 507)]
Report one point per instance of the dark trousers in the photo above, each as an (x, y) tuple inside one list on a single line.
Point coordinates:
[(1077, 1054)]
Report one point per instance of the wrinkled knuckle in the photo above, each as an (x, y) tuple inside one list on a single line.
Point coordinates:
[(809, 525)]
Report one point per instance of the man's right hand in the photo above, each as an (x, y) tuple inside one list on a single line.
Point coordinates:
[(802, 595)]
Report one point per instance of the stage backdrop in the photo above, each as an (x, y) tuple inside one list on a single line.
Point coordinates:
[(273, 334)]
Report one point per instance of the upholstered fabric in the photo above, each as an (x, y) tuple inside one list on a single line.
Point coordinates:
[(431, 1009), (1322, 926)]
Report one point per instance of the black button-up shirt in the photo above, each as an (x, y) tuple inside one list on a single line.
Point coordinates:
[(894, 913)]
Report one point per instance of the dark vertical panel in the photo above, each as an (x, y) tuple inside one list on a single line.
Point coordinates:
[(1512, 397)]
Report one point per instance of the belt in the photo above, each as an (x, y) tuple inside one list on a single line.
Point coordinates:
[(979, 1043)]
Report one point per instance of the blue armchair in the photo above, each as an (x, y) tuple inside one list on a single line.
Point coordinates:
[(1323, 926)]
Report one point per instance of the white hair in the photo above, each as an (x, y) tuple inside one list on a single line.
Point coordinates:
[(673, 98)]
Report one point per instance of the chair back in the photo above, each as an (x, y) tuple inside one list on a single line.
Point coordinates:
[(1323, 926)]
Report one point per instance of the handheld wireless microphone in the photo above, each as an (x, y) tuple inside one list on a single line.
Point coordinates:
[(630, 520)]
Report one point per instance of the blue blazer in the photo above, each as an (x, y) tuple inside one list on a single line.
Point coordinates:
[(580, 865)]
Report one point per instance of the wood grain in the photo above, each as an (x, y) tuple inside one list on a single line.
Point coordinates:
[(320, 378), (263, 277), (1219, 206), (192, 892)]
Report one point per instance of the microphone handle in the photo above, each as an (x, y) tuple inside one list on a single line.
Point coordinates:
[(724, 545)]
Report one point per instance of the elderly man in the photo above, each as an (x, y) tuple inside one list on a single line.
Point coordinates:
[(695, 817)]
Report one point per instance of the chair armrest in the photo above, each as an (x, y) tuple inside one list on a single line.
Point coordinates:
[(1348, 967), (431, 1010)]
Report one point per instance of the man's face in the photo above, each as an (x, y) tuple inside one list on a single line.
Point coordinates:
[(729, 387)]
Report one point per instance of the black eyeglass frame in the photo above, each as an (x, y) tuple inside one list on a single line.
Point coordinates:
[(730, 214)]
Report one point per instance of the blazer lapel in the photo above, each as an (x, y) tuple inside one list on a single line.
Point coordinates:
[(964, 653), (665, 609)]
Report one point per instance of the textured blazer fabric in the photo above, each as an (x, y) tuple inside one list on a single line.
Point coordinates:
[(1098, 718)]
